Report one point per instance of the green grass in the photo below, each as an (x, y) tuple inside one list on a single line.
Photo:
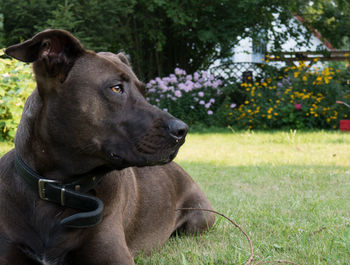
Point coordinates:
[(281, 187), (290, 191)]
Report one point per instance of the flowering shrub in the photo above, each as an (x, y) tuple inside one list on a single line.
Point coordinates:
[(16, 84), (299, 97), (193, 98)]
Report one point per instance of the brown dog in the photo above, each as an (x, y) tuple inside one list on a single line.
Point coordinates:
[(90, 145)]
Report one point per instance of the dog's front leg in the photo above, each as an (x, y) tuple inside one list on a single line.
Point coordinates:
[(106, 247)]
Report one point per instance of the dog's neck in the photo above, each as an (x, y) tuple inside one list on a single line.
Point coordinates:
[(34, 146)]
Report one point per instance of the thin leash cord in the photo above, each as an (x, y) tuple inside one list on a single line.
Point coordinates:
[(251, 257)]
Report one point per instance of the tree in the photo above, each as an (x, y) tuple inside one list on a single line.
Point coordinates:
[(158, 35), (332, 19)]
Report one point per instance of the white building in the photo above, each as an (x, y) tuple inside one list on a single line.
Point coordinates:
[(247, 51), (249, 54)]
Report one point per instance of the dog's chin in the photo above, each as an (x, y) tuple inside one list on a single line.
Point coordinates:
[(118, 162)]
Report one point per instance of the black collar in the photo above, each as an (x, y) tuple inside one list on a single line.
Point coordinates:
[(70, 195)]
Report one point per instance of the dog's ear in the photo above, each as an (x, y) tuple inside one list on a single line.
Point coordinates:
[(54, 47), (123, 59)]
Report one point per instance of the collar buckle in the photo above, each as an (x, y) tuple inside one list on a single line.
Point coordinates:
[(42, 187)]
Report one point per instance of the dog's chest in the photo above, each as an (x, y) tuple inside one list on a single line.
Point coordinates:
[(46, 241), (49, 249), (40, 259)]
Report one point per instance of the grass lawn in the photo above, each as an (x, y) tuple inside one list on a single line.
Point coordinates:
[(290, 191)]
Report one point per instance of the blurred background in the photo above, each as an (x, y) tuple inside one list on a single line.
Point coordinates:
[(250, 64)]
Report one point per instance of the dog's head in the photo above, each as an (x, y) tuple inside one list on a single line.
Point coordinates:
[(94, 105)]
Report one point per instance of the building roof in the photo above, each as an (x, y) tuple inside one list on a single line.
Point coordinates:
[(315, 32)]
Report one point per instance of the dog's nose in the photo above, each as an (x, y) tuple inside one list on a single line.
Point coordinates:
[(177, 129)]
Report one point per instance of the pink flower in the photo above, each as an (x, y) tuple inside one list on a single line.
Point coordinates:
[(178, 93), (207, 106), (196, 76), (179, 71), (217, 83), (201, 102), (210, 112), (233, 105), (201, 94), (297, 106), (341, 102), (197, 85), (182, 86)]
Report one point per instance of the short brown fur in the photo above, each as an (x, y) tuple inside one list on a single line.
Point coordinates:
[(73, 124)]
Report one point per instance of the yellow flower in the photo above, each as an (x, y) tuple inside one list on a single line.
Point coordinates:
[(304, 78), (246, 102), (230, 114), (269, 116), (276, 114)]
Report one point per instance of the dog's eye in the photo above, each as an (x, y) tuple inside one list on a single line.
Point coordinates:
[(117, 88)]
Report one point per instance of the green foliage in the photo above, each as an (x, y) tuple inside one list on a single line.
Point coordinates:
[(63, 17), (1, 29), (158, 35), (331, 18), (17, 83), (298, 97)]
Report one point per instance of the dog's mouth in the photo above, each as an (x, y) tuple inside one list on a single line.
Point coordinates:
[(120, 161)]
